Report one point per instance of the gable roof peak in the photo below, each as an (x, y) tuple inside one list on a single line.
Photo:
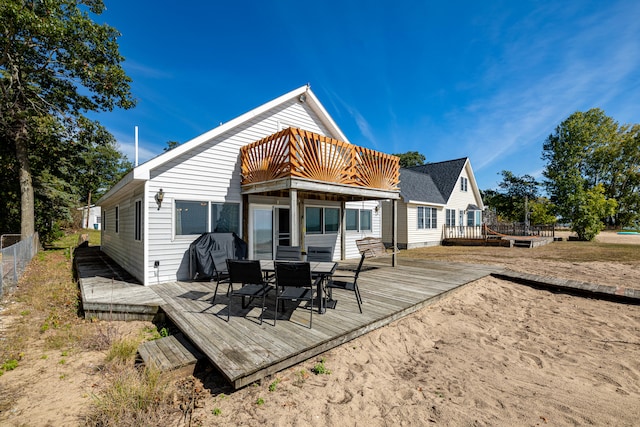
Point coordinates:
[(303, 94)]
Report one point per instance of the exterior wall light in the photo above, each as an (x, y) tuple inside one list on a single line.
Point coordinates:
[(159, 198)]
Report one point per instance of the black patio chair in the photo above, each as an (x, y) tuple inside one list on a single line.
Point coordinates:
[(249, 274), (320, 253), (289, 253), (286, 253), (294, 283), (221, 272), (347, 283)]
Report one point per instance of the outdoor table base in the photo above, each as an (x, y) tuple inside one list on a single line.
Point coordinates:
[(324, 269)]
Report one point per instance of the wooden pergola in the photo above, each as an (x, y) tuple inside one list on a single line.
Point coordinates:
[(294, 160)]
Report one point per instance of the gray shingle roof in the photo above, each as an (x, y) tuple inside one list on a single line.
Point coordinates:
[(418, 186), (431, 182)]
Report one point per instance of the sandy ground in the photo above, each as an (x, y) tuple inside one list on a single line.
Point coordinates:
[(493, 353)]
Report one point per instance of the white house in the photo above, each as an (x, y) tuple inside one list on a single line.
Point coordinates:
[(434, 195), (282, 173), (91, 218)]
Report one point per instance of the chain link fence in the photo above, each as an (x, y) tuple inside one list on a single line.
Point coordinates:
[(15, 258)]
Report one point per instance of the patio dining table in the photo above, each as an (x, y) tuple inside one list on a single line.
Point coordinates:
[(323, 269)]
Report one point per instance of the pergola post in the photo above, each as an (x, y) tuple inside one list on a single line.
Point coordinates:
[(394, 233), (343, 230), (294, 218)]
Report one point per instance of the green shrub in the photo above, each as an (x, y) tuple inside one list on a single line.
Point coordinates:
[(122, 351), (133, 398)]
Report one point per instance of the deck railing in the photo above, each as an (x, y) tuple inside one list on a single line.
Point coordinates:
[(521, 229), (298, 153), (478, 232), (463, 232)]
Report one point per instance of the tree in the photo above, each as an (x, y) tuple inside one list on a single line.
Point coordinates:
[(621, 168), (514, 193), (411, 158), (592, 208), (577, 172), (100, 165), (542, 211), (55, 63), (171, 145)]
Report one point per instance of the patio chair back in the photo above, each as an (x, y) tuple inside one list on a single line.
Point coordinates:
[(320, 253), (289, 253), (220, 262), (220, 272), (348, 283), (294, 283), (296, 274), (249, 274), (245, 271)]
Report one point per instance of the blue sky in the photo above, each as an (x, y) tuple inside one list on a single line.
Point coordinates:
[(488, 80)]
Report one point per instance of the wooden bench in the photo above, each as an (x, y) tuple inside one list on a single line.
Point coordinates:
[(372, 247), (173, 354)]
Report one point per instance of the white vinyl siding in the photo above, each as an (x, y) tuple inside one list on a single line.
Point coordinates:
[(419, 237), (210, 172), (402, 218), (122, 247)]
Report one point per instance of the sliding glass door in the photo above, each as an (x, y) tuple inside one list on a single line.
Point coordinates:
[(269, 227), (262, 233)]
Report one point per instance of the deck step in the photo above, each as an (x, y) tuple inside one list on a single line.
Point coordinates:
[(173, 353)]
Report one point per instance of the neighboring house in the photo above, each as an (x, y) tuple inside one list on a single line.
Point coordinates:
[(91, 218), (283, 173), (432, 196)]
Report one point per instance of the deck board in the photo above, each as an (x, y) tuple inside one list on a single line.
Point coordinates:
[(242, 349)]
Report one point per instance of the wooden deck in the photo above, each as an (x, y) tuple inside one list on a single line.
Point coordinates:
[(109, 292), (243, 350)]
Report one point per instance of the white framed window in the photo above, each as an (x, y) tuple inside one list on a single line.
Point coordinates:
[(474, 218), (137, 233), (319, 220), (117, 215), (450, 218), (365, 219), (191, 217), (194, 217), (358, 219), (464, 182), (427, 217)]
